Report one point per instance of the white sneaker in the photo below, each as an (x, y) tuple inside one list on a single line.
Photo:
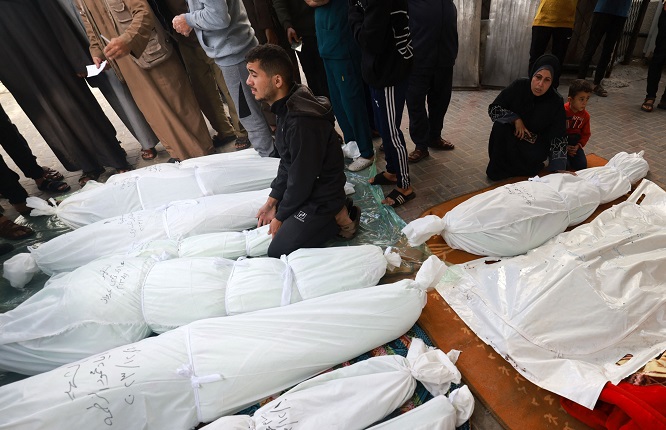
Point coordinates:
[(360, 163)]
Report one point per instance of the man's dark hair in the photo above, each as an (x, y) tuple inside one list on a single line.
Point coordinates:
[(580, 85), (273, 60)]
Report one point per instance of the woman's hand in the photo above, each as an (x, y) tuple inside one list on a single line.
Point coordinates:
[(520, 129), (573, 149)]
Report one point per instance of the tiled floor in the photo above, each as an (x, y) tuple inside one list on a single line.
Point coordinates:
[(617, 125)]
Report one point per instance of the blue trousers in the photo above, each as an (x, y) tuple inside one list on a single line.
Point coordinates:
[(345, 85)]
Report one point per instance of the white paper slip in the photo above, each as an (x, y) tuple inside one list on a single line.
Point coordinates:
[(94, 71)]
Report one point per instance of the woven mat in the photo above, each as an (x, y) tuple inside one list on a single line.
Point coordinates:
[(515, 402)]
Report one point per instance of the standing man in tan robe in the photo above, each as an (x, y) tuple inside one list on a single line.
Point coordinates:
[(163, 92)]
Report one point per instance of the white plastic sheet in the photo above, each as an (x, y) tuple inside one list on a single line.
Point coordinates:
[(511, 219), (118, 235), (215, 367), (566, 312), (154, 186), (118, 300), (355, 396)]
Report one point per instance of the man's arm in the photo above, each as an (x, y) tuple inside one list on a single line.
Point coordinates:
[(370, 27), (213, 16), (96, 49), (282, 10), (135, 39)]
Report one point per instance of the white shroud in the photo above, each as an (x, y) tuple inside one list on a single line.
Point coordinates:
[(154, 186), (514, 218), (119, 300), (356, 396), (119, 235), (215, 367)]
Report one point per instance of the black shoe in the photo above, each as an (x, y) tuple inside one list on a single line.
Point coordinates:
[(173, 160)]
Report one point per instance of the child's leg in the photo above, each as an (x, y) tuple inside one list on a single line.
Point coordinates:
[(578, 161)]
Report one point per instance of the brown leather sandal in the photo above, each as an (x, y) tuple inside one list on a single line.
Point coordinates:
[(10, 230), (417, 155), (648, 105)]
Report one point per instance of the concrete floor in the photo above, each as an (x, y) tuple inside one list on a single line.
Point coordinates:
[(618, 124)]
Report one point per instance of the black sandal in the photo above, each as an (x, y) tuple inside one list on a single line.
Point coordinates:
[(51, 174), (53, 186), (89, 176), (380, 179), (662, 103), (399, 198)]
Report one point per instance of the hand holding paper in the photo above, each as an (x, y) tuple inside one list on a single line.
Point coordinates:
[(95, 69)]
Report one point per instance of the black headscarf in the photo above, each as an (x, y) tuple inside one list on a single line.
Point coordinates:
[(548, 62)]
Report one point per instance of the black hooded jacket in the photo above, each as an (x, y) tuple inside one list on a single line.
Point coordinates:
[(311, 162), (381, 28), (434, 28)]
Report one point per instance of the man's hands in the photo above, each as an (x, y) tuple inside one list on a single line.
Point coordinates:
[(267, 212), (292, 36), (271, 37), (98, 62), (266, 215), (316, 3), (180, 25), (274, 227), (116, 49)]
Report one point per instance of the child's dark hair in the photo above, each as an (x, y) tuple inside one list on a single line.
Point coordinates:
[(273, 60), (578, 86)]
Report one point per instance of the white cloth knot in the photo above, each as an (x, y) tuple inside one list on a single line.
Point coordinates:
[(186, 371)]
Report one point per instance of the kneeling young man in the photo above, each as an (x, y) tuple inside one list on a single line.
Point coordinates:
[(306, 206)]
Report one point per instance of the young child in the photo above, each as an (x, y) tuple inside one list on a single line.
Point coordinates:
[(578, 123)]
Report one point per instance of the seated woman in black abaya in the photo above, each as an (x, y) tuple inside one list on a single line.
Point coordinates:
[(529, 125)]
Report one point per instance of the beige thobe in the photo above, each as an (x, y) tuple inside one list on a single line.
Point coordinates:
[(162, 93)]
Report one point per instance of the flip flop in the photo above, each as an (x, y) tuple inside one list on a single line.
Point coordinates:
[(380, 179), (399, 198)]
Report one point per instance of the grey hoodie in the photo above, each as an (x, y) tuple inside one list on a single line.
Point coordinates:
[(222, 28)]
